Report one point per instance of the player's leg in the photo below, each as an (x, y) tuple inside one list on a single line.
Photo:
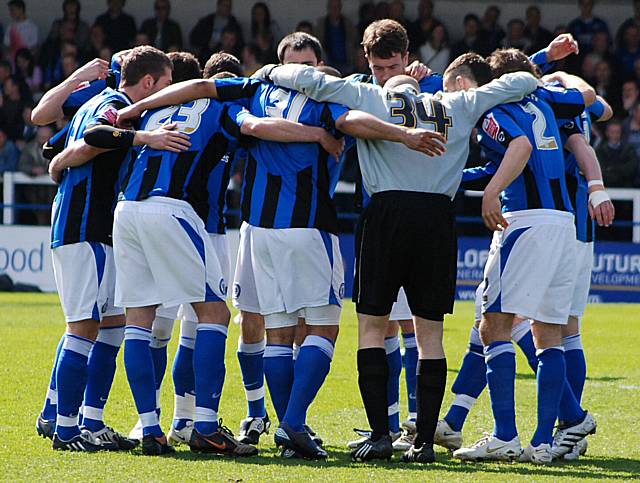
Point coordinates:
[(278, 359), (394, 361), (46, 421), (574, 356), (301, 333), (410, 363), (183, 379), (161, 331)]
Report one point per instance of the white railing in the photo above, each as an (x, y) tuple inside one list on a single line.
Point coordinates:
[(11, 180)]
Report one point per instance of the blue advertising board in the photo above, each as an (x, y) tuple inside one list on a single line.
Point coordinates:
[(615, 276)]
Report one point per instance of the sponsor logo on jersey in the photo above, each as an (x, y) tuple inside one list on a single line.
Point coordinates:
[(492, 128)]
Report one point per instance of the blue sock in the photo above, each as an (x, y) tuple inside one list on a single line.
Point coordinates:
[(576, 364), (469, 383), (209, 369), (521, 335), (139, 366), (569, 411), (394, 361), (250, 357), (160, 336), (71, 379), (311, 369), (410, 362), (50, 409), (500, 358), (551, 379), (101, 370), (183, 378), (278, 371)]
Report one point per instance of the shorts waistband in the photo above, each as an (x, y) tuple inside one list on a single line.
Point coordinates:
[(413, 197), (538, 216), (155, 203)]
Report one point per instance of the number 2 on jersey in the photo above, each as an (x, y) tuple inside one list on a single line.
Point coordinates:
[(188, 116), (543, 142)]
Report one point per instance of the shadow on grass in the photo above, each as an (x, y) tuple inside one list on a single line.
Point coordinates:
[(588, 467), (532, 376)]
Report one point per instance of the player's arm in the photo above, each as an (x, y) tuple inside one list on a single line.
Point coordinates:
[(325, 88), (164, 138), (49, 108), (570, 81), (508, 88), (559, 48), (366, 126), (179, 93), (600, 110), (600, 206), (478, 177), (513, 162), (75, 154)]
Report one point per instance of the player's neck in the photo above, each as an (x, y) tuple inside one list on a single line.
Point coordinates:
[(134, 93)]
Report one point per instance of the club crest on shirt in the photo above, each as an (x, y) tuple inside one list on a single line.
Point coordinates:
[(236, 290), (223, 287)]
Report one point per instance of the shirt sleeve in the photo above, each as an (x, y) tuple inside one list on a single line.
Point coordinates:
[(508, 88), (497, 131), (431, 84), (596, 110), (106, 114), (541, 60), (237, 89), (231, 120), (325, 88), (478, 177), (82, 94)]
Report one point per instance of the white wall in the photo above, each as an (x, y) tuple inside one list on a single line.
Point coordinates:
[(289, 12)]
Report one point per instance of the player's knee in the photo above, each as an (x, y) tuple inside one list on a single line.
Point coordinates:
[(161, 332), (572, 327), (546, 335), (84, 328), (281, 336), (392, 330), (212, 312), (326, 331)]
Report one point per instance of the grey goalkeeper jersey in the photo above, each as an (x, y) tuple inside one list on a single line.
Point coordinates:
[(387, 165)]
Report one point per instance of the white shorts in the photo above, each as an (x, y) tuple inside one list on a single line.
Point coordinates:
[(220, 245), (400, 309), (531, 269), (285, 270), (478, 302), (85, 276), (584, 263), (164, 255)]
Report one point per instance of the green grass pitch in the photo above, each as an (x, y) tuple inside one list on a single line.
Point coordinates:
[(31, 324)]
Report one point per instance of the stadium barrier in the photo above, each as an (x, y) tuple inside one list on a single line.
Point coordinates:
[(25, 254)]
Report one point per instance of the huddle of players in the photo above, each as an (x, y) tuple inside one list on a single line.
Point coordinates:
[(172, 201)]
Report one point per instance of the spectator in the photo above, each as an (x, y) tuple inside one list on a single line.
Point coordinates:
[(540, 37), (119, 27), (27, 70), (141, 39), (586, 25), (366, 15), (473, 40), (396, 12), (16, 97), (629, 50), (97, 41), (70, 15), (491, 29), (33, 163), (635, 20), (105, 53), (631, 129), (9, 154), (250, 62), (161, 30), (29, 130), (630, 96), (606, 86), (262, 23), (602, 49), (230, 42), (69, 65), (336, 34), (435, 53), (208, 31), (54, 73), (420, 31), (515, 38), (266, 52), (305, 26), (22, 32), (617, 158), (361, 64), (382, 10)]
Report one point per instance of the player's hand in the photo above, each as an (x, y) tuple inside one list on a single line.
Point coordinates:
[(418, 70), (166, 138), (332, 145), (492, 212), (428, 142), (562, 46), (95, 69), (126, 115), (604, 213)]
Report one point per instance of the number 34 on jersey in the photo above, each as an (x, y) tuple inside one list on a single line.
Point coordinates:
[(407, 110)]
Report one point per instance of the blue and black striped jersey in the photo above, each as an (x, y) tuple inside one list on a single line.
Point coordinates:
[(286, 185), (200, 175), (542, 183), (83, 206), (88, 90)]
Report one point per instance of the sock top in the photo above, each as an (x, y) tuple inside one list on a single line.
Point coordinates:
[(134, 332), (278, 351), (222, 329), (409, 340), (549, 350), (78, 344), (520, 330), (497, 348), (322, 343), (254, 348), (391, 344)]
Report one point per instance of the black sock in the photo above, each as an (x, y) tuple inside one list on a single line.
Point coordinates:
[(430, 386), (373, 373)]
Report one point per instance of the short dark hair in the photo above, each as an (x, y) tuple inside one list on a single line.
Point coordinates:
[(17, 3), (144, 60), (185, 66), (327, 69), (224, 75), (471, 16), (299, 41), (472, 66), (385, 38), (504, 61), (222, 62)]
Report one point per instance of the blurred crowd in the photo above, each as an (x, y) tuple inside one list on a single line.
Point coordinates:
[(33, 61)]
